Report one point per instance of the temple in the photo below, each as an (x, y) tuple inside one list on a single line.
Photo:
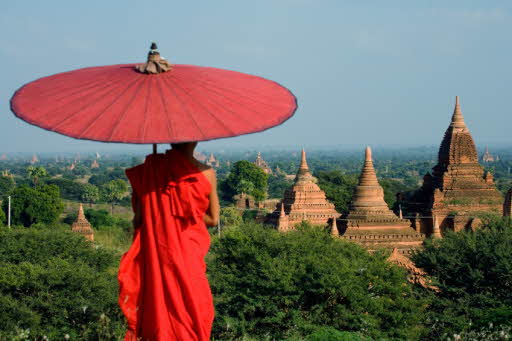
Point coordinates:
[(3, 157), (303, 201), (370, 222), (507, 205), (95, 164), (82, 226), (415, 275), (34, 159), (212, 161), (487, 157), (459, 189), (262, 164)]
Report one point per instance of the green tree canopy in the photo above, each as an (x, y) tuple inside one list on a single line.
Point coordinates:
[(34, 205), (90, 194), (53, 283), (245, 177), (474, 271), (113, 191), (338, 187), (271, 285), (36, 173), (69, 189), (6, 186)]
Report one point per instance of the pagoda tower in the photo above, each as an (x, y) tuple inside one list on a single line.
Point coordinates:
[(82, 226), (487, 157), (34, 159), (459, 188), (262, 164), (95, 164), (303, 201), (370, 222)]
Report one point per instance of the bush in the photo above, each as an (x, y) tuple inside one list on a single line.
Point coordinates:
[(474, 271), (53, 282), (35, 205), (274, 285)]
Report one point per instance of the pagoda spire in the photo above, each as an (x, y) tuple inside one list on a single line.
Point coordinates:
[(282, 213), (368, 176), (303, 172), (334, 227), (457, 118), (81, 214), (436, 230)]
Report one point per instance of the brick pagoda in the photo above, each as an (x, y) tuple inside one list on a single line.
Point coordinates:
[(82, 226), (303, 201), (262, 164), (370, 222), (459, 188), (487, 157)]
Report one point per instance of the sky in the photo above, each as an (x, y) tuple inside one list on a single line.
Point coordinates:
[(381, 73)]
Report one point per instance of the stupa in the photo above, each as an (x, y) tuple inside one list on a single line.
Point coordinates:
[(303, 201), (507, 205), (82, 226), (487, 157), (370, 222), (415, 275), (95, 164), (3, 157), (262, 164), (459, 189), (212, 161), (34, 159)]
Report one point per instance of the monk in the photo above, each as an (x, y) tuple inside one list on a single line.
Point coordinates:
[(164, 292)]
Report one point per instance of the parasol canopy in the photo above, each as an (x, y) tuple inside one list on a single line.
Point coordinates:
[(153, 103)]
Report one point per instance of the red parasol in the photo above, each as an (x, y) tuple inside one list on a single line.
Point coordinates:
[(153, 103)]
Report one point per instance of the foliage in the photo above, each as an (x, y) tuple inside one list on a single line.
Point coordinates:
[(331, 334), (277, 184), (36, 173), (114, 191), (3, 218), (474, 271), (35, 205), (6, 186), (69, 189), (90, 193), (52, 283), (273, 285), (338, 187), (230, 216), (245, 177)]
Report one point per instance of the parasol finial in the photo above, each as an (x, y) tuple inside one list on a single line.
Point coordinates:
[(155, 63)]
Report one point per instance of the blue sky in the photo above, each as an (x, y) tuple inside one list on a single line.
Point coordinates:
[(365, 72)]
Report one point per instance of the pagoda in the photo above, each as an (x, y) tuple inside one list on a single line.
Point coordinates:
[(487, 157), (3, 157), (303, 201), (507, 205), (95, 164), (262, 164), (370, 222), (34, 159), (82, 226), (459, 189), (212, 161)]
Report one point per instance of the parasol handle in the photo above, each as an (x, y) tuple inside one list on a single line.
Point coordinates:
[(154, 148)]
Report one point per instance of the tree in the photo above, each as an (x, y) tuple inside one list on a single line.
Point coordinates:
[(230, 216), (277, 185), (6, 186), (90, 194), (35, 205), (271, 285), (69, 189), (52, 282), (474, 273), (113, 191), (338, 187), (245, 177), (36, 173)]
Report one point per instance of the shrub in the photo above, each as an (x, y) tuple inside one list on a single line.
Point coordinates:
[(474, 271), (53, 282), (274, 285)]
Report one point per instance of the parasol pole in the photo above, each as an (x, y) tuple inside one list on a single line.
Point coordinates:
[(154, 148)]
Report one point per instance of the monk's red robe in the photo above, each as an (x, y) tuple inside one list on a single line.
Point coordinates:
[(164, 292)]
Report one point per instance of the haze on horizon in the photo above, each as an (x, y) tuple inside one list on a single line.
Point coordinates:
[(377, 73)]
